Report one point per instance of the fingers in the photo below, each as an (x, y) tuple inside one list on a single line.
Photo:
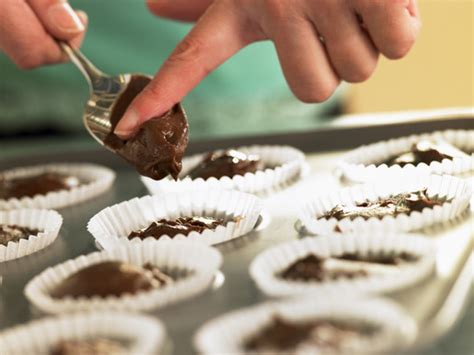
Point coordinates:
[(183, 10), (393, 25), (24, 38), (303, 58), (351, 51), (354, 33), (58, 18), (219, 34)]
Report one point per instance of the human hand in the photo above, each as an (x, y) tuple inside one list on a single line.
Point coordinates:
[(318, 42), (27, 28)]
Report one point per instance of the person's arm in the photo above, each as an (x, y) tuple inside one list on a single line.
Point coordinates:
[(318, 42), (27, 27)]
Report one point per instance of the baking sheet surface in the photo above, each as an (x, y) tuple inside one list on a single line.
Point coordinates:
[(233, 287)]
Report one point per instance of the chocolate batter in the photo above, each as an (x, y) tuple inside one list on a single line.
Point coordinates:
[(88, 347), (157, 148), (13, 233), (392, 206), (39, 184), (228, 163), (111, 278), (284, 335), (314, 268), (425, 151), (182, 225)]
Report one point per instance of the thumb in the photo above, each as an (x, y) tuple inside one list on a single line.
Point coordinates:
[(58, 17)]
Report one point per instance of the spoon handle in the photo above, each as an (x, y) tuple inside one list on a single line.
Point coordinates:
[(91, 73)]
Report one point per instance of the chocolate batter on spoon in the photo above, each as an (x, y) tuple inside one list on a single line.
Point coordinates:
[(157, 148)]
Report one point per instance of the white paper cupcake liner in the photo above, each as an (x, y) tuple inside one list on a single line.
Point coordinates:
[(289, 164), (362, 164), (199, 260), (47, 221), (139, 334), (227, 334), (98, 180), (111, 226), (457, 191), (266, 266)]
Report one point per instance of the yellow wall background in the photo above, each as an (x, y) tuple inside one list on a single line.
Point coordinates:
[(438, 72)]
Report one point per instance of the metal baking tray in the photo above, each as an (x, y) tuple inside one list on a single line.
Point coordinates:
[(436, 304)]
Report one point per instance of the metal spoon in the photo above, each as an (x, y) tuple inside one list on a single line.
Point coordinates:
[(104, 92)]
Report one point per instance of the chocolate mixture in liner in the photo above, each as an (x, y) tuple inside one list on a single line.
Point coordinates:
[(39, 184), (111, 278), (181, 225), (425, 151), (13, 233), (314, 268), (88, 347), (326, 334), (157, 148), (228, 163), (391, 206)]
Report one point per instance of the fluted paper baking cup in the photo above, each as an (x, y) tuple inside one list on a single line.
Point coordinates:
[(137, 333), (455, 191), (228, 333), (266, 267), (95, 179), (364, 164), (199, 261), (288, 163), (111, 226), (48, 222)]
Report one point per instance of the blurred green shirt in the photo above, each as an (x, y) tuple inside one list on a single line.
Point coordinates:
[(248, 94)]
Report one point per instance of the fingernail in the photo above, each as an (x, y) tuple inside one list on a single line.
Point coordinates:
[(64, 18), (127, 124)]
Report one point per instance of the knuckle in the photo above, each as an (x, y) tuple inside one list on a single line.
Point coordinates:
[(152, 91), (273, 4), (188, 50), (276, 8), (190, 53)]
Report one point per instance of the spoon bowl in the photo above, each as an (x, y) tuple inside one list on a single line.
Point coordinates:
[(104, 93)]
